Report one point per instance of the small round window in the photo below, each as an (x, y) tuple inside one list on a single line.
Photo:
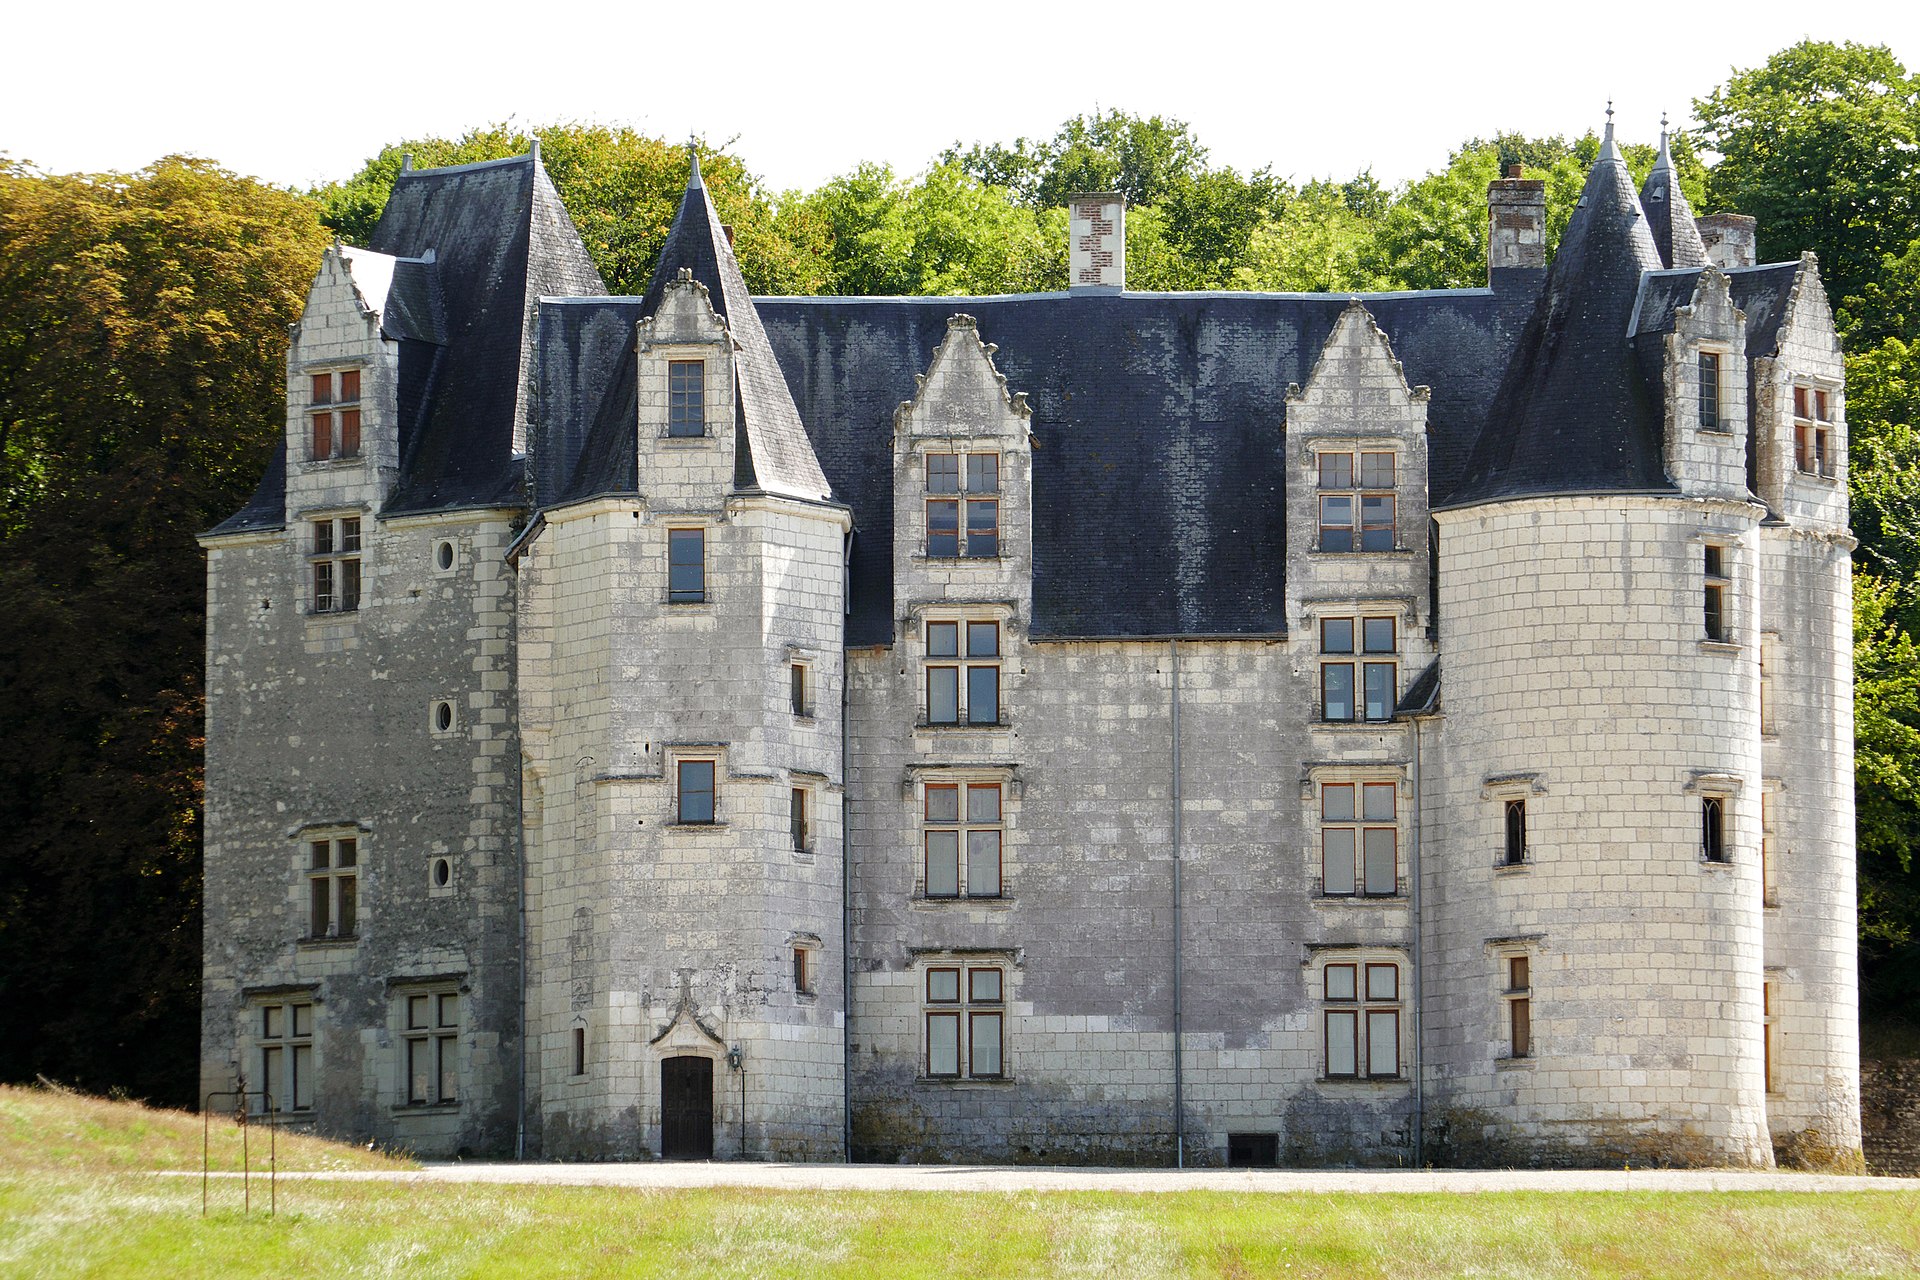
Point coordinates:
[(442, 716), (443, 555), (442, 872)]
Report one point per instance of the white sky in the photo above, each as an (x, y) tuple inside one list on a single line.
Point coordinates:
[(804, 91)]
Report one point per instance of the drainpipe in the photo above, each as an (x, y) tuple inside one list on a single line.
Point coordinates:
[(1419, 972), (1179, 1078), (846, 875), (520, 846)]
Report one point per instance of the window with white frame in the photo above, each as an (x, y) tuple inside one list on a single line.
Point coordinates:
[(1356, 499), (1356, 656), (963, 485), (1813, 430), (963, 832), (963, 672), (283, 1042), (1361, 1019), (334, 563), (333, 415), (965, 1017), (430, 1046), (1359, 839), (333, 886)]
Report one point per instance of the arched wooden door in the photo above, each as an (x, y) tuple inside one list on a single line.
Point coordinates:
[(686, 1108)]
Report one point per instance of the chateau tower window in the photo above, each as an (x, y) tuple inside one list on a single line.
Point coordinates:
[(1713, 828), (800, 819), (285, 1045), (686, 566), (333, 887), (1717, 587), (952, 671), (335, 564), (1361, 1020), (963, 834), (333, 418), (804, 978), (800, 688), (694, 797), (1356, 501), (965, 1014), (686, 397), (1710, 393), (1813, 430), (1515, 851), (1359, 839), (1341, 640), (958, 483), (1518, 998), (1769, 844), (430, 1043)]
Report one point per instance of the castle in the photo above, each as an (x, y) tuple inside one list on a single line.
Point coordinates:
[(1078, 727)]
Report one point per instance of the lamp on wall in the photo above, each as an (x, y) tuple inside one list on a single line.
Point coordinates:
[(733, 1058)]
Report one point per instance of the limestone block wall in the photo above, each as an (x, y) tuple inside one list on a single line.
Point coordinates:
[(1577, 670), (1703, 459), (340, 329), (1807, 355), (323, 725)]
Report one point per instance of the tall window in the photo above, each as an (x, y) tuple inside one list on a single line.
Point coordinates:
[(1362, 1020), (952, 673), (333, 887), (693, 791), (798, 692), (803, 971), (1710, 391), (799, 820), (1769, 662), (1372, 640), (965, 1021), (285, 1042), (686, 566), (686, 397), (431, 1042), (963, 834), (960, 484), (333, 418), (1359, 840), (1519, 1001), (1356, 503), (336, 565), (1769, 850), (1515, 851), (1716, 585), (1713, 828), (1812, 431), (1770, 1031)]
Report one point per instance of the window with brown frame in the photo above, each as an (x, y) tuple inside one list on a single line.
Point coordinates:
[(1519, 1001), (966, 1031), (797, 818), (284, 1041), (686, 397), (430, 1041), (803, 970), (333, 887), (1769, 660), (1351, 653), (956, 483), (1812, 431), (1716, 586), (1356, 503), (963, 837), (1359, 840), (1770, 1032), (1710, 391), (335, 564), (950, 672), (333, 416), (1361, 1020)]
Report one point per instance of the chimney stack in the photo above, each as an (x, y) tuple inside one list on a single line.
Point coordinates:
[(1732, 239), (1097, 243), (1516, 222)]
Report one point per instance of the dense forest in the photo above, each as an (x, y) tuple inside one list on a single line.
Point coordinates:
[(143, 328)]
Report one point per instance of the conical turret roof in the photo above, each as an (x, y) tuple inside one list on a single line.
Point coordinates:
[(778, 458), (1574, 413), (1669, 217)]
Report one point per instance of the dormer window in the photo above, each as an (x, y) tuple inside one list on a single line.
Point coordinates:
[(1813, 431), (333, 416), (957, 482), (1356, 503), (1710, 391), (686, 397)]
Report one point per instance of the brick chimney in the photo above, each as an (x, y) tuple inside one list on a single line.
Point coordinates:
[(1516, 222), (1732, 239), (1097, 243)]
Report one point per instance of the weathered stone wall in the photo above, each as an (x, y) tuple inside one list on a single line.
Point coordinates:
[(1890, 1114)]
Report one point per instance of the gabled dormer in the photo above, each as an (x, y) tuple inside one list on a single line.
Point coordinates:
[(1703, 361), (684, 380), (1799, 430), (963, 481)]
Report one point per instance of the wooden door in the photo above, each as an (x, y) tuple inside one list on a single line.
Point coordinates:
[(686, 1108)]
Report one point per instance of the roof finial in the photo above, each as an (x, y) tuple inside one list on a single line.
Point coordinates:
[(693, 163), (1665, 159), (1607, 150), (534, 151)]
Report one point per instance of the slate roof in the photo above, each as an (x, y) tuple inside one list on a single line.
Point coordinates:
[(1669, 216), (1575, 412)]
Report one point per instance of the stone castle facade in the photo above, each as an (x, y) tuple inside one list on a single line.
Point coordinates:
[(1079, 727)]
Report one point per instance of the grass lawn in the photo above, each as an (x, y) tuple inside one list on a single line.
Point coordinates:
[(74, 1202)]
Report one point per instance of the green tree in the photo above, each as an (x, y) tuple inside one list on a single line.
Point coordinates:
[(1822, 145), (1886, 670), (143, 331), (1314, 246)]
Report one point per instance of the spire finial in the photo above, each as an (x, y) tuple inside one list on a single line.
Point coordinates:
[(693, 162), (1607, 150), (1665, 159)]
